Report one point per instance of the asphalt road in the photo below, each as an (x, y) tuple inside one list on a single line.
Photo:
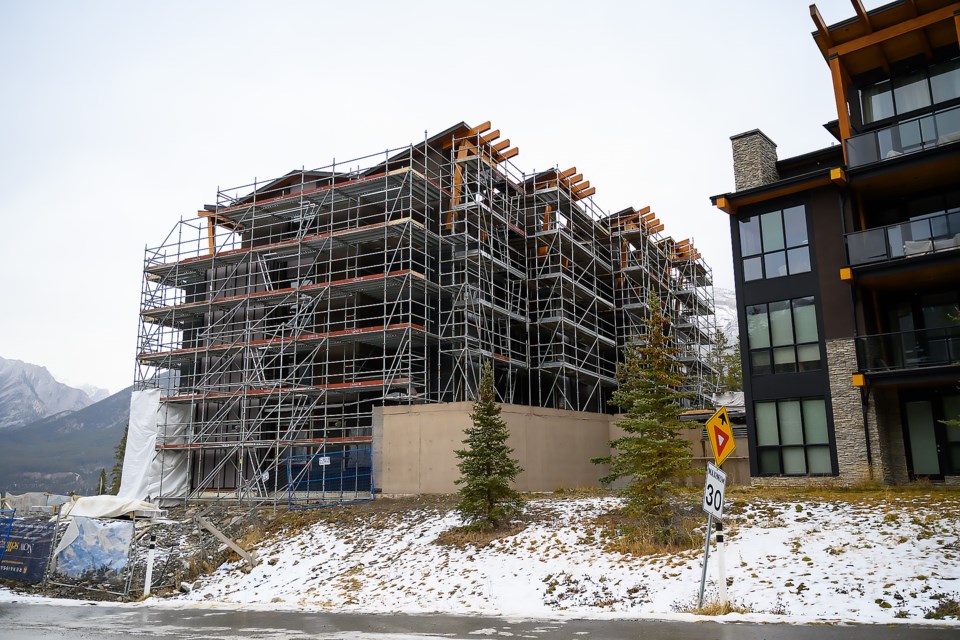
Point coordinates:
[(20, 621)]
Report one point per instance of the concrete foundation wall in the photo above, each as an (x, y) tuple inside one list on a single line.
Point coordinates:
[(554, 447), (414, 448)]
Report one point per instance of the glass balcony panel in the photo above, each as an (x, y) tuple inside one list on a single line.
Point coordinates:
[(867, 246), (862, 149), (948, 126), (909, 349), (895, 241), (942, 127)]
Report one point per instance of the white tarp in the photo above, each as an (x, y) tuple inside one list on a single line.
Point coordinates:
[(24, 501), (107, 507), (148, 473), (729, 399)]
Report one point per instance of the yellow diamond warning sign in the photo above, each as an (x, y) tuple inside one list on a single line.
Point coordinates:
[(721, 435)]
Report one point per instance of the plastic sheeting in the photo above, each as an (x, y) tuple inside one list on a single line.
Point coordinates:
[(107, 507), (148, 473), (90, 546), (24, 501)]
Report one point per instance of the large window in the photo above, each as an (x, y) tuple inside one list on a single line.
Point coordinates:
[(782, 336), (911, 91), (792, 437), (775, 244)]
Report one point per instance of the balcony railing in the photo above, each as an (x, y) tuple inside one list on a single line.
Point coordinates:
[(904, 240), (909, 349), (926, 132)]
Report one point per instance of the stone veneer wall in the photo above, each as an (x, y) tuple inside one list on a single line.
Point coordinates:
[(848, 417), (754, 160), (884, 420)]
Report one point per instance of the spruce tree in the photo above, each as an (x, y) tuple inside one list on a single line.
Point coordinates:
[(116, 472), (652, 455), (102, 483), (487, 500)]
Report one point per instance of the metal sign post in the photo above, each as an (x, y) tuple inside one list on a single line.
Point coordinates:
[(716, 482)]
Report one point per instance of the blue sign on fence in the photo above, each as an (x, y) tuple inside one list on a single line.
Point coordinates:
[(27, 551)]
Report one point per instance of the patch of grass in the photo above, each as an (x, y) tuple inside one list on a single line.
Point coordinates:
[(948, 606), (721, 609), (462, 537), (623, 534), (712, 605)]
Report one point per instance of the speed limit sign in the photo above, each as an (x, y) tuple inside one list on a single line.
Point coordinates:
[(713, 491)]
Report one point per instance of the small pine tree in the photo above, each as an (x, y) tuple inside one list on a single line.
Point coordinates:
[(733, 378), (725, 359), (487, 501), (116, 471), (652, 455), (102, 483)]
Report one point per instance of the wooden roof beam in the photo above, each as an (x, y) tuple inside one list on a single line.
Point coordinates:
[(822, 30), (566, 174), (575, 179), (580, 195), (500, 146), (908, 26), (506, 155), (583, 186), (864, 19), (490, 137), (924, 40), (483, 128)]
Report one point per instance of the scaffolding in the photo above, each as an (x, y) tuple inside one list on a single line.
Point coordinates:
[(279, 317)]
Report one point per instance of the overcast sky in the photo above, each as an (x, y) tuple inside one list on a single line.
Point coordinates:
[(119, 118)]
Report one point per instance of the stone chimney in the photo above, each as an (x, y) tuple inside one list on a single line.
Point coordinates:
[(754, 160)]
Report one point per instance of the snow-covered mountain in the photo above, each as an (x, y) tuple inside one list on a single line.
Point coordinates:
[(28, 393), (96, 394), (725, 302)]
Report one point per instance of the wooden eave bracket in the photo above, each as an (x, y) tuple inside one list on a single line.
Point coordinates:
[(838, 176), (726, 206)]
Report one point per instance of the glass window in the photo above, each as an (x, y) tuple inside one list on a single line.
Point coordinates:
[(911, 92), (781, 326), (945, 80), (767, 424), (805, 319), (877, 102), (814, 421), (775, 264), (750, 237), (753, 269), (793, 437), (771, 224), (783, 337), (757, 327), (774, 244), (795, 225), (798, 260)]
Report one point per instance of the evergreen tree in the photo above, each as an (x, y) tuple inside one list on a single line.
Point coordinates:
[(102, 485), (725, 360), (733, 378), (652, 455), (117, 470), (487, 501)]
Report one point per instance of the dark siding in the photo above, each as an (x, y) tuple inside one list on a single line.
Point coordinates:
[(826, 214)]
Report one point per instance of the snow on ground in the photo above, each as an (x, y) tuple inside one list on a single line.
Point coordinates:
[(852, 560)]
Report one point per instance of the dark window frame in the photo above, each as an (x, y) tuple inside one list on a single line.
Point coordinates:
[(755, 354), (763, 450), (791, 246)]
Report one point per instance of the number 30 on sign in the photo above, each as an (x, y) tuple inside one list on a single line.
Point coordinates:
[(713, 491)]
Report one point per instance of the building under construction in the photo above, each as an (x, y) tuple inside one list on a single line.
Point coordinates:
[(275, 322)]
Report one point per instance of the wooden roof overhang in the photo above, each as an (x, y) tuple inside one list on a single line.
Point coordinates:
[(732, 202), (876, 39)]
